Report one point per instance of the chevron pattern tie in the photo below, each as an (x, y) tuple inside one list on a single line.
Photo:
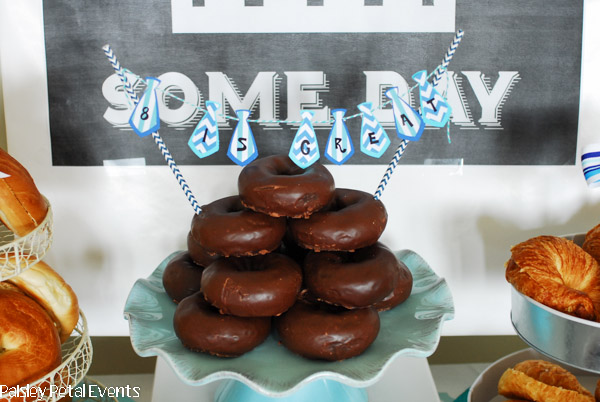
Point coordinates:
[(409, 124), (204, 141), (339, 145), (374, 141), (305, 149), (242, 148), (145, 120), (434, 109)]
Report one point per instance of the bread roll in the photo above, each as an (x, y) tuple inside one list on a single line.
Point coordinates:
[(49, 289), (29, 342), (22, 207)]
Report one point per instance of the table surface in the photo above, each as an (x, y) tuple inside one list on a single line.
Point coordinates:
[(451, 381)]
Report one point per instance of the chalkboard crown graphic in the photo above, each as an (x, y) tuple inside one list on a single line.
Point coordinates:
[(293, 16)]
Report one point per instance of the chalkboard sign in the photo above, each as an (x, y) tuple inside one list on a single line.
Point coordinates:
[(513, 83)]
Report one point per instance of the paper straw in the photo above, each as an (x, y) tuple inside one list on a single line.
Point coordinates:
[(404, 143), (112, 58), (449, 54)]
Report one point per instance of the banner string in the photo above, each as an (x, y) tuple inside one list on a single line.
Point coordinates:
[(404, 143), (112, 58), (132, 97), (435, 72)]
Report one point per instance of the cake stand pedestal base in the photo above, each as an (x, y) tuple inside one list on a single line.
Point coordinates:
[(318, 390), (406, 379)]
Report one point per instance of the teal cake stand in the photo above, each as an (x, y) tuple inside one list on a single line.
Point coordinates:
[(270, 372)]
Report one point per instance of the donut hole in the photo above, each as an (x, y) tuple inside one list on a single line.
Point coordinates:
[(343, 201), (233, 207), (249, 264), (327, 308), (282, 170)]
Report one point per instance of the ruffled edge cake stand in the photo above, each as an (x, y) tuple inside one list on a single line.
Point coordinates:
[(271, 371)]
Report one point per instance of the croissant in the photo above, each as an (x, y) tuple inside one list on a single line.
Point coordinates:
[(592, 242), (557, 273), (539, 380)]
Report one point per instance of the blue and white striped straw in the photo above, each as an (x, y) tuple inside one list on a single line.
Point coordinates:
[(112, 58), (404, 143)]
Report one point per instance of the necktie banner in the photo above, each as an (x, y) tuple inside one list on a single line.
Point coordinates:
[(204, 141), (339, 144), (305, 149), (374, 141), (435, 111), (242, 148), (409, 124), (145, 119)]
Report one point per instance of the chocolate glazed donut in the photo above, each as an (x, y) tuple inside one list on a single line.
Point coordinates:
[(181, 277), (201, 328), (352, 280), (321, 331), (353, 220), (276, 186), (198, 253), (400, 293), (225, 227), (260, 286)]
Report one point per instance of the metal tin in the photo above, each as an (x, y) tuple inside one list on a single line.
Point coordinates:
[(567, 339)]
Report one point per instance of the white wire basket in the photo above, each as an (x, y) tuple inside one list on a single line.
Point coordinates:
[(76, 360), (19, 253)]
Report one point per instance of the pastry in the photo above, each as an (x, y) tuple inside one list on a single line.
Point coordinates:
[(557, 273)]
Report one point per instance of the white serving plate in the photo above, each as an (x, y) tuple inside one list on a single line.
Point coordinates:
[(485, 387)]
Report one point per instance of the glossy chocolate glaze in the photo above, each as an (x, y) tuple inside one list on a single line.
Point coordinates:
[(198, 253), (201, 328), (265, 285), (225, 227), (275, 185), (319, 331), (352, 280), (353, 220), (400, 293), (181, 277)]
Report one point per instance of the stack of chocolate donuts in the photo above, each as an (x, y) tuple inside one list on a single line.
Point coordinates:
[(290, 251)]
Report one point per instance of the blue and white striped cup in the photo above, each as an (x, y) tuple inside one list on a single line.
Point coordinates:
[(590, 163)]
